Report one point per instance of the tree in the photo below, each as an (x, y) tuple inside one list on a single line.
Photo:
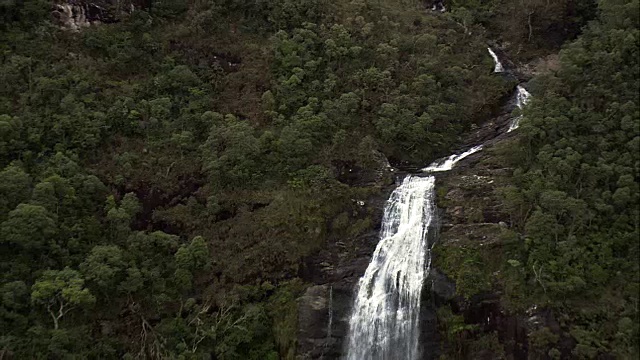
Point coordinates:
[(14, 299), (55, 193), (576, 183), (190, 259), (194, 256), (15, 187), (9, 136), (30, 227), (230, 154), (121, 217), (61, 291), (104, 266)]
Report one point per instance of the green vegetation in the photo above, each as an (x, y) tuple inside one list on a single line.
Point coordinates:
[(467, 267), (575, 188), (465, 339), (478, 263), (162, 177)]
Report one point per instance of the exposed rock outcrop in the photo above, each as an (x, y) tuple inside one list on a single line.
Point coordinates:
[(474, 222), (77, 14), (336, 271)]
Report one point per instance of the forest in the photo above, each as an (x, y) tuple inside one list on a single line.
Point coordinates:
[(163, 175), (575, 187)]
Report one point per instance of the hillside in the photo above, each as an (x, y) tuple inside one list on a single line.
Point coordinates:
[(172, 173)]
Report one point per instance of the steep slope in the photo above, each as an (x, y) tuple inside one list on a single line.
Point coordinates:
[(540, 235)]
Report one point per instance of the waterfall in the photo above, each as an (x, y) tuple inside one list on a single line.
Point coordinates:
[(522, 98), (384, 324), (498, 68)]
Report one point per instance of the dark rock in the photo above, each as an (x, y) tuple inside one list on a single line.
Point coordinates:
[(484, 234), (441, 287), (325, 308), (435, 5), (473, 217), (204, 56), (323, 314)]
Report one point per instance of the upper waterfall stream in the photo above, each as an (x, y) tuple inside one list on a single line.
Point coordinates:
[(498, 67)]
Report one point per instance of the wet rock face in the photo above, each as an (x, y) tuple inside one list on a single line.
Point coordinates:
[(323, 316), (325, 308), (442, 288), (472, 217), (438, 290)]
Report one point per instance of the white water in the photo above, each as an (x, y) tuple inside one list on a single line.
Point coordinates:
[(384, 324), (522, 98), (498, 67), (448, 163)]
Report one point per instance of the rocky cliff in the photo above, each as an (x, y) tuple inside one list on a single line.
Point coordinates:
[(473, 242), (470, 291), (475, 237), (77, 14)]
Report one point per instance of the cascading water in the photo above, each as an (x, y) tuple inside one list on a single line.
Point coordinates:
[(498, 67), (522, 98), (449, 162), (522, 95), (384, 324)]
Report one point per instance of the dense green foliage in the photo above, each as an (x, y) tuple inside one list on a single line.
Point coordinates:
[(162, 177), (575, 194)]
